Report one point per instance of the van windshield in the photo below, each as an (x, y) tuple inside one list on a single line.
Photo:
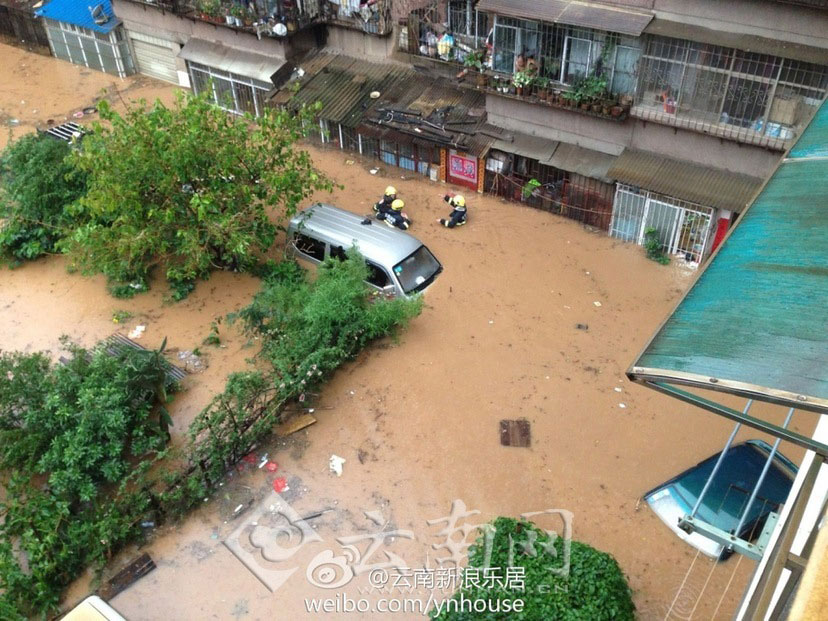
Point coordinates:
[(416, 271)]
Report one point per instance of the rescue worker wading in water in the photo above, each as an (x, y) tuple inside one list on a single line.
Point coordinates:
[(458, 214), (384, 205), (395, 217)]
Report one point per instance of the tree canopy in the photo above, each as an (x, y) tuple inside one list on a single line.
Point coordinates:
[(186, 189), (37, 183)]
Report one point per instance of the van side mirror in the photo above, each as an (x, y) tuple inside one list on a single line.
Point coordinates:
[(389, 290)]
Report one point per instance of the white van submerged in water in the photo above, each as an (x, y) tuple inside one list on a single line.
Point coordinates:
[(398, 263)]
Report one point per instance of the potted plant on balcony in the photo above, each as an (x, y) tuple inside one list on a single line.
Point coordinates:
[(474, 62), (522, 82), (542, 88), (236, 12), (249, 16)]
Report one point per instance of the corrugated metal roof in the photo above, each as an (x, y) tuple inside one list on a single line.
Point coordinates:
[(240, 62), (612, 19), (586, 162), (79, 13), (532, 147), (744, 42), (343, 85), (712, 187), (545, 10), (757, 317)]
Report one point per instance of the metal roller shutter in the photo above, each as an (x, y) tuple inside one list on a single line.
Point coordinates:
[(154, 57)]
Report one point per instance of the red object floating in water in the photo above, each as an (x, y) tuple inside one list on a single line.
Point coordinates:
[(279, 484), (250, 459), (271, 466)]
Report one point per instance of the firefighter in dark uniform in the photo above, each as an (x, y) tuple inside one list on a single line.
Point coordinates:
[(395, 217), (458, 213), (384, 205)]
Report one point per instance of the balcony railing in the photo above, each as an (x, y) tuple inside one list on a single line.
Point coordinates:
[(281, 18)]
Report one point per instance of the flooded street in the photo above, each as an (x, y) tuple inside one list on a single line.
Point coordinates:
[(534, 317)]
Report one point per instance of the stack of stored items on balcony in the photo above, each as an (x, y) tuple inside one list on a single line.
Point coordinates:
[(387, 101)]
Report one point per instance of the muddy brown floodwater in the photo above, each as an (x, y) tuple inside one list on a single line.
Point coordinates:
[(416, 421)]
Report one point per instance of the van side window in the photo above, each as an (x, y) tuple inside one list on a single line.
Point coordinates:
[(309, 246), (377, 275), (338, 252)]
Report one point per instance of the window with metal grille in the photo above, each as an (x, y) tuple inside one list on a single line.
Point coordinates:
[(232, 92), (748, 96)]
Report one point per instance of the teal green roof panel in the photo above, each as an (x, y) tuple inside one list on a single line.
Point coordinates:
[(755, 322)]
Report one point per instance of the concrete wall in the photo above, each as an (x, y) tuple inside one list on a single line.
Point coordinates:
[(613, 137), (359, 44), (764, 18), (178, 30)]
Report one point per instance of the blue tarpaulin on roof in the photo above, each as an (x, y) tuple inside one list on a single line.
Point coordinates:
[(755, 323), (80, 13)]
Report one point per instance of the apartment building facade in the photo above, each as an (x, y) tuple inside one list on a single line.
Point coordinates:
[(662, 114), (627, 115)]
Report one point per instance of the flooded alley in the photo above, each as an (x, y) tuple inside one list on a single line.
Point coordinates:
[(534, 317)]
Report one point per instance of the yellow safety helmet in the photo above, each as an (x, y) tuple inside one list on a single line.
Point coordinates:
[(390, 191), (459, 200), (397, 205)]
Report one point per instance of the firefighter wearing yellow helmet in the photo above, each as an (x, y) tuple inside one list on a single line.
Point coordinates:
[(396, 217), (384, 204), (458, 211)]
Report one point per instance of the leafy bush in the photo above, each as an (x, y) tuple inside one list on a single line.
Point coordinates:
[(594, 590), (37, 182), (68, 438), (186, 189), (653, 247), (309, 329)]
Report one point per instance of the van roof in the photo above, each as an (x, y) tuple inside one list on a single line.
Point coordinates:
[(377, 242)]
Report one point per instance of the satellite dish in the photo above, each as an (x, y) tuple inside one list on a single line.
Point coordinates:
[(374, 95), (280, 29)]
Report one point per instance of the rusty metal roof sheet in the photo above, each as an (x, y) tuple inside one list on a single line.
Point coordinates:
[(611, 19), (342, 84), (545, 10), (532, 147), (712, 187), (582, 161)]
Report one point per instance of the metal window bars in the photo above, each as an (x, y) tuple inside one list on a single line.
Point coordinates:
[(749, 97)]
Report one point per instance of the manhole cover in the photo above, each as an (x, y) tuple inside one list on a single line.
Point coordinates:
[(515, 432)]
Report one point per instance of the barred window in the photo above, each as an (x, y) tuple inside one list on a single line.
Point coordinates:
[(232, 92), (739, 94)]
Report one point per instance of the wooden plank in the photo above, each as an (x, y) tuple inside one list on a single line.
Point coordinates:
[(294, 424), (136, 570)]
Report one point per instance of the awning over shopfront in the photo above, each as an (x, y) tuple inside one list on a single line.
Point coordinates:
[(584, 14), (544, 10), (754, 323), (712, 187), (745, 42), (241, 62), (611, 19), (586, 162), (534, 148)]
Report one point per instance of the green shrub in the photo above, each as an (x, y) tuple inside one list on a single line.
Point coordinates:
[(594, 590), (37, 183), (653, 248), (69, 437)]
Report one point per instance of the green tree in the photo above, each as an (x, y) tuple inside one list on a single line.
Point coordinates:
[(595, 588), (37, 183), (188, 189)]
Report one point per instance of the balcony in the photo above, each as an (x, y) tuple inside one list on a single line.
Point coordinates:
[(587, 96), (281, 18)]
